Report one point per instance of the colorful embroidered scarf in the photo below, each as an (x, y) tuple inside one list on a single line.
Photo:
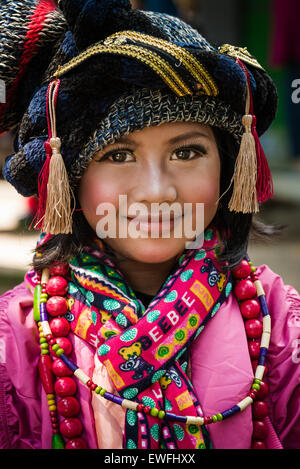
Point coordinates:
[(146, 351)]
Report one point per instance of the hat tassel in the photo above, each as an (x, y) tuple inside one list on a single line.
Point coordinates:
[(244, 196), (54, 213), (58, 214)]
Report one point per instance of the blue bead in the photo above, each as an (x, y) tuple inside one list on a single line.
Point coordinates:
[(71, 365), (262, 356), (43, 312), (228, 413), (175, 418), (263, 305), (113, 398)]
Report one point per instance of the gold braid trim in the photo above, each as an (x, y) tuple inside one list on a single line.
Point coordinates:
[(240, 53), (154, 61), (117, 44), (186, 58)]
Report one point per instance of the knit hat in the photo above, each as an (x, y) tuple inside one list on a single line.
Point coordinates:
[(89, 72)]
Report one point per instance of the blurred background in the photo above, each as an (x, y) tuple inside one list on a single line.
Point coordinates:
[(269, 30)]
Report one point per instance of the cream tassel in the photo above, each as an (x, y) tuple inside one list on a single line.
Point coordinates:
[(244, 196), (58, 214)]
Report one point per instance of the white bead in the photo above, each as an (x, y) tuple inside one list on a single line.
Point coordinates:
[(267, 324), (265, 340), (81, 376), (259, 288), (46, 328), (195, 421), (259, 372), (245, 402), (45, 276), (129, 404)]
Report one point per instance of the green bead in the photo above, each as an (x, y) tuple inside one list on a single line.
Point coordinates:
[(255, 386), (98, 389), (219, 417), (161, 414), (44, 352), (55, 347), (154, 412), (214, 418), (44, 346), (257, 381), (43, 340), (102, 392), (57, 441), (59, 352), (36, 302)]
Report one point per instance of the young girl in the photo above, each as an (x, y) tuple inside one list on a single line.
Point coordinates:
[(155, 341)]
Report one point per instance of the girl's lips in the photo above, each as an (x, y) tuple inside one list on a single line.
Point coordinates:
[(157, 226)]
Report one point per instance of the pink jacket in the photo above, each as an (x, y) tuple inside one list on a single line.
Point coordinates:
[(220, 370)]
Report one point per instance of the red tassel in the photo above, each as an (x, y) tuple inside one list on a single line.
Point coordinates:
[(42, 189), (264, 183)]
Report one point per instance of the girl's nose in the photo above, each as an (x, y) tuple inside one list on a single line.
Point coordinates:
[(154, 185)]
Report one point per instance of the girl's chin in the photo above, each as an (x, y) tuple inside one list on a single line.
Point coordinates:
[(151, 251)]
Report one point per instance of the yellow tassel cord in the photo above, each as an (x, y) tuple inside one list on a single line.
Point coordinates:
[(244, 195), (58, 214)]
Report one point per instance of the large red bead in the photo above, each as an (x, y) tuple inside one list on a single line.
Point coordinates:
[(76, 443), (260, 430), (258, 444), (60, 369), (254, 348), (250, 308), (244, 289), (68, 406), (59, 269), (259, 410), (65, 386), (57, 286), (253, 328), (263, 391), (243, 270), (57, 306), (65, 344), (60, 327), (71, 427)]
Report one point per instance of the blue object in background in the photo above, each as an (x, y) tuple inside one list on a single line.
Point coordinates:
[(161, 6)]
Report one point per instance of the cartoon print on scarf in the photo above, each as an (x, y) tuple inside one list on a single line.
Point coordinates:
[(145, 351)]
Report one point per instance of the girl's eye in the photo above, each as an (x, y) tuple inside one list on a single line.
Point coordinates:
[(117, 156), (188, 153)]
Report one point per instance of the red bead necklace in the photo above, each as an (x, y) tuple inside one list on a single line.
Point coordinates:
[(245, 292), (56, 374)]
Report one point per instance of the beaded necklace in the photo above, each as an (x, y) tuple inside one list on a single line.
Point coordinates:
[(49, 298)]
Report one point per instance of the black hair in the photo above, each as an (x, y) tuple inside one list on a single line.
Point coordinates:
[(235, 228)]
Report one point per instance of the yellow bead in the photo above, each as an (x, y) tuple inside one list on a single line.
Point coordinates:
[(52, 408), (50, 396), (51, 402)]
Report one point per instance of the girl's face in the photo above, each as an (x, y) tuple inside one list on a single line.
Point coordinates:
[(175, 163)]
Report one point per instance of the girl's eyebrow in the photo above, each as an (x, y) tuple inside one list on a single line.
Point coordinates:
[(172, 141)]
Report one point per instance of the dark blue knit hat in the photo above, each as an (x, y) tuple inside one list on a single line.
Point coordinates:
[(117, 70)]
